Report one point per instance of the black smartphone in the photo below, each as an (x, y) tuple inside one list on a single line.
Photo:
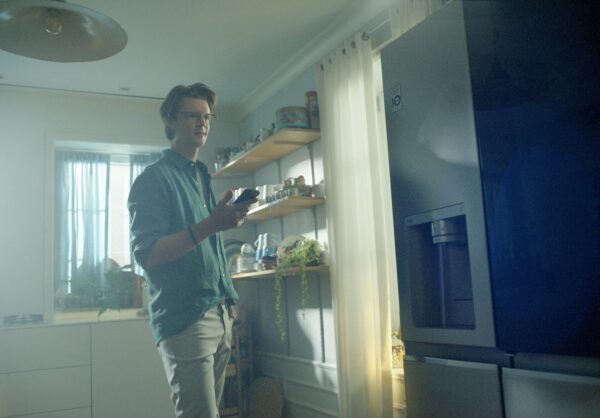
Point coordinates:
[(247, 194)]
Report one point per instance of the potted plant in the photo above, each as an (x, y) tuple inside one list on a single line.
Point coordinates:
[(85, 287), (119, 290), (397, 350), (307, 253)]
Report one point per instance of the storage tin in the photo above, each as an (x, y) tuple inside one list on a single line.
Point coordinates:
[(292, 117)]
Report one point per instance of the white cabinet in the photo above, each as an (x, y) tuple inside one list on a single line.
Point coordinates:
[(100, 370), (550, 395), (25, 393), (450, 388), (127, 375), (37, 348), (45, 370)]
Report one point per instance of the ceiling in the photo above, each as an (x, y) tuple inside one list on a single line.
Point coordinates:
[(235, 46)]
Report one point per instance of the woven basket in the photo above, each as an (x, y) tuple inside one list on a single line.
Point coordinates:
[(264, 399)]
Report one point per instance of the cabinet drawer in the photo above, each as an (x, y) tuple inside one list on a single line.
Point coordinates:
[(71, 413), (125, 361), (27, 393), (550, 395), (448, 388), (38, 348)]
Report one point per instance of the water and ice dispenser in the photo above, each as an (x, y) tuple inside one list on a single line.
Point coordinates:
[(439, 270)]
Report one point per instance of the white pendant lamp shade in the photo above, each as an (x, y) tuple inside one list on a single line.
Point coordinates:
[(53, 30)]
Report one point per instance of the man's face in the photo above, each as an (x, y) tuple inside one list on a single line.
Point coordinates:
[(192, 122)]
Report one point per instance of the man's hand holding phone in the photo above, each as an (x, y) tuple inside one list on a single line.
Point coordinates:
[(231, 213), (248, 196), (243, 201)]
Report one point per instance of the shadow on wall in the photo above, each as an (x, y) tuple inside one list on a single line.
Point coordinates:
[(303, 362)]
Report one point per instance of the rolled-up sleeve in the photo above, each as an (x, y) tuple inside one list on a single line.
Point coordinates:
[(148, 206)]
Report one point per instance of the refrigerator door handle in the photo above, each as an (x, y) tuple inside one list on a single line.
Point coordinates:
[(554, 377), (452, 363)]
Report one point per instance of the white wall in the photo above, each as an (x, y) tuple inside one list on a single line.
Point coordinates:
[(30, 120)]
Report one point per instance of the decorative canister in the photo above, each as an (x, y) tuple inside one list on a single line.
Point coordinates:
[(292, 117), (312, 109)]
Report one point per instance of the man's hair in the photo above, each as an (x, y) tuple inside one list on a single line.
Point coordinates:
[(171, 105)]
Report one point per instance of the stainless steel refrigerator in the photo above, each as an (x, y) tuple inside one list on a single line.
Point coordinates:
[(493, 123)]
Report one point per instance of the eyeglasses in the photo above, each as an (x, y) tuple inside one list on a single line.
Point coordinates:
[(208, 117)]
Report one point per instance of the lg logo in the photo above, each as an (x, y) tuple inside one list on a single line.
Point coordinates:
[(396, 102), (396, 96)]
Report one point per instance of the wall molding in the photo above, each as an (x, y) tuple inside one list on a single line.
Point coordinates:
[(312, 380), (280, 357), (78, 93), (312, 407), (309, 385), (345, 25), (291, 398)]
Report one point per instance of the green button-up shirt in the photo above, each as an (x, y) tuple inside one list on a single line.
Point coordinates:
[(167, 197)]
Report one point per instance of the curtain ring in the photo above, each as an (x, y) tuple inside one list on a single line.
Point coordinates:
[(365, 36)]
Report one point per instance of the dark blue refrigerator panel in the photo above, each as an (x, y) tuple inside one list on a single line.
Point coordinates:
[(535, 76)]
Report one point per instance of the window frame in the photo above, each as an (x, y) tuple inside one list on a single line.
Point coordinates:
[(74, 142)]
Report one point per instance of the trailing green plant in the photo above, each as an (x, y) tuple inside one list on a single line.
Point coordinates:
[(307, 253)]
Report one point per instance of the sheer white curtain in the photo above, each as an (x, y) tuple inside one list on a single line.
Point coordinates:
[(82, 181), (359, 221)]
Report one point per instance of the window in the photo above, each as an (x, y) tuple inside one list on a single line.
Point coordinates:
[(91, 220)]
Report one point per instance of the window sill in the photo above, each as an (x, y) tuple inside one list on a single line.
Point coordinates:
[(78, 316), (83, 316)]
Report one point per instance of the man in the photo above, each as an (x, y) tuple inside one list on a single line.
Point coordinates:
[(175, 226)]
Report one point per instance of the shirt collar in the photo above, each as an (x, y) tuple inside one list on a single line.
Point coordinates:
[(181, 162)]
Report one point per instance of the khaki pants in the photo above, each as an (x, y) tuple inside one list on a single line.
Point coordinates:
[(195, 362)]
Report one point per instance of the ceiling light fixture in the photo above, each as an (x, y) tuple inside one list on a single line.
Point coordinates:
[(53, 30), (53, 23)]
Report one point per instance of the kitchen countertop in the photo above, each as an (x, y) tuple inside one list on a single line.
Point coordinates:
[(77, 317)]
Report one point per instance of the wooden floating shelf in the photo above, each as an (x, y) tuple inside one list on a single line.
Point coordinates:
[(271, 273), (281, 143), (283, 207)]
